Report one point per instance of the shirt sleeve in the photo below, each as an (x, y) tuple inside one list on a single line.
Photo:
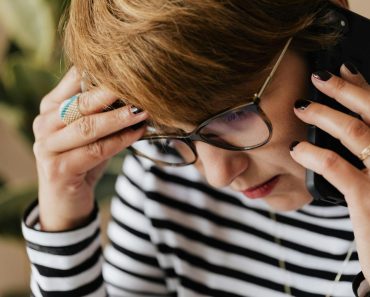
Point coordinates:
[(71, 263), (361, 287), (67, 263)]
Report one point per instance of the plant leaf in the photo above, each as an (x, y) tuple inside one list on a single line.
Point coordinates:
[(30, 23)]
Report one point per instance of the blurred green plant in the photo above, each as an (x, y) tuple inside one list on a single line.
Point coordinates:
[(31, 63)]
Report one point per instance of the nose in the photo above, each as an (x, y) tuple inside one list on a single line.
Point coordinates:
[(220, 167)]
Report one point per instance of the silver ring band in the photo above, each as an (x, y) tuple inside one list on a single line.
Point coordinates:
[(365, 153)]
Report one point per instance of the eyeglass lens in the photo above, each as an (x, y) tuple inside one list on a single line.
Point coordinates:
[(240, 128), (166, 150)]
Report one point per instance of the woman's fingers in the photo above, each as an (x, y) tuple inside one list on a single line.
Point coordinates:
[(45, 124), (89, 102), (352, 132), (353, 92), (95, 100), (340, 173), (66, 88), (350, 73), (352, 96), (85, 158), (89, 129)]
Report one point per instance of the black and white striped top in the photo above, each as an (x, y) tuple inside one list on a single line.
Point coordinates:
[(171, 234)]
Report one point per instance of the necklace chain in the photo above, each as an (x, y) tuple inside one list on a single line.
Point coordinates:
[(282, 265)]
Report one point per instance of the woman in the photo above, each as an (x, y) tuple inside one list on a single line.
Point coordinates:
[(238, 220)]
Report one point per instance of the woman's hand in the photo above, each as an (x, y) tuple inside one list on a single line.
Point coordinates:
[(71, 159), (352, 91)]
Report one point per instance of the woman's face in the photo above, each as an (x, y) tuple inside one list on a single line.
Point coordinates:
[(243, 170)]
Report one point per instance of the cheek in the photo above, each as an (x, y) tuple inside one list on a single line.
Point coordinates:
[(286, 129), (286, 126), (280, 105), (289, 128)]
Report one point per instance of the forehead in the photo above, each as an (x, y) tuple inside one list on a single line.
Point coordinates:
[(235, 95), (231, 98)]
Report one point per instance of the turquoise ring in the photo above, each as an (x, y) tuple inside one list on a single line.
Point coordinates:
[(69, 111)]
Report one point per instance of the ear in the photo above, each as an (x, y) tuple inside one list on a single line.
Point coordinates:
[(343, 3)]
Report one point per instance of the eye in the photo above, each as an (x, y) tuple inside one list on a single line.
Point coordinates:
[(236, 116)]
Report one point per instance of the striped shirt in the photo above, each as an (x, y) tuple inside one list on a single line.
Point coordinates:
[(171, 234)]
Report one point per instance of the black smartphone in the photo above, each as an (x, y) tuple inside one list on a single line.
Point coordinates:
[(354, 47)]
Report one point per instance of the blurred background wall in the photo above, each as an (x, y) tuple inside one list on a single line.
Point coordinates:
[(30, 65), (361, 6)]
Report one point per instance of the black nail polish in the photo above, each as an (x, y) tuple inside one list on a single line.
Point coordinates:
[(322, 75), (135, 110), (352, 68), (118, 104), (115, 105), (138, 125), (301, 104), (293, 145)]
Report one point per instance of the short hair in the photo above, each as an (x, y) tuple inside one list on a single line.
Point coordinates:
[(184, 60)]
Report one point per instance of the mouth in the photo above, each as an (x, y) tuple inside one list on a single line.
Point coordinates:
[(262, 190)]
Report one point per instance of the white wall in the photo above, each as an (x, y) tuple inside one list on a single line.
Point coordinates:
[(361, 7)]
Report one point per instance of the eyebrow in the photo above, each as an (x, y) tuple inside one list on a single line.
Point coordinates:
[(163, 129), (242, 94)]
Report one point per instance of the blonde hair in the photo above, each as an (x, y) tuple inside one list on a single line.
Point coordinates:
[(184, 60)]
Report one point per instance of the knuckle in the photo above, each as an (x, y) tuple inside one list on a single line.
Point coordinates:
[(37, 124), (318, 110), (45, 103), (122, 114), (36, 148), (55, 168), (61, 167), (95, 150), (363, 84), (83, 103), (52, 168), (330, 161), (339, 85), (124, 139), (40, 149), (357, 129), (86, 127)]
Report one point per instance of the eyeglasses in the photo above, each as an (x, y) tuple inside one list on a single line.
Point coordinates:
[(240, 128)]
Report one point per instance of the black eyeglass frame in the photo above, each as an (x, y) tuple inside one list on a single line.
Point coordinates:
[(194, 135)]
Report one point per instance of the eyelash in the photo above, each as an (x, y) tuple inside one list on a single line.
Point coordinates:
[(235, 116)]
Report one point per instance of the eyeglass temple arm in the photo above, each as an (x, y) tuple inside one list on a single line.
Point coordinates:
[(258, 95)]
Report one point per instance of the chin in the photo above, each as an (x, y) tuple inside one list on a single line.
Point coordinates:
[(289, 202)]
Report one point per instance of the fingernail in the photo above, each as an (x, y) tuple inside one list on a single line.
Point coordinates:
[(118, 104), (352, 68), (135, 110), (115, 105), (137, 126), (301, 104), (293, 145), (322, 75)]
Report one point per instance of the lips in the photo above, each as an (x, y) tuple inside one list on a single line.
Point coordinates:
[(263, 189)]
